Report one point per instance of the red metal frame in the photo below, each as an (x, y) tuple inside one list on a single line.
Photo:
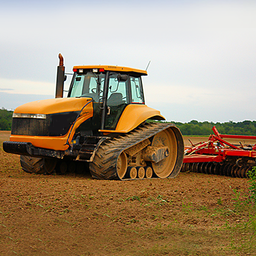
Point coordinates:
[(216, 149)]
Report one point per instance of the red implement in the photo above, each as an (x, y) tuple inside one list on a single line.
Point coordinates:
[(219, 156)]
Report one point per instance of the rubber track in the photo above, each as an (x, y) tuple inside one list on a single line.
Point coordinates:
[(104, 163), (32, 164)]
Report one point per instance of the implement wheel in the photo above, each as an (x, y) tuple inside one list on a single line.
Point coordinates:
[(166, 138), (37, 165)]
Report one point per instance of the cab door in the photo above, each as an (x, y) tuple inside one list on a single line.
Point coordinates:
[(118, 96)]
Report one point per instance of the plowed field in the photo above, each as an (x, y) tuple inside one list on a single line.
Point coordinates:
[(192, 214)]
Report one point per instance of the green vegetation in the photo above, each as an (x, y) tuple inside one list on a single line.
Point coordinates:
[(5, 119), (252, 181), (205, 128)]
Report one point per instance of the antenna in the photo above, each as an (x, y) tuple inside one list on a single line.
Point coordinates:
[(148, 65)]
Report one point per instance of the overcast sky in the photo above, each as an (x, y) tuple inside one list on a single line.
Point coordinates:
[(202, 53)]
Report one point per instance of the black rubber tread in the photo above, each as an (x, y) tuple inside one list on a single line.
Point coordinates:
[(35, 165), (105, 160)]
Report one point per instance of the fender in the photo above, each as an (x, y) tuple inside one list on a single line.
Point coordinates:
[(132, 116)]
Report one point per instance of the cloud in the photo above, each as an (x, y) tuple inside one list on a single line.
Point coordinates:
[(5, 89), (12, 100), (202, 53), (17, 86)]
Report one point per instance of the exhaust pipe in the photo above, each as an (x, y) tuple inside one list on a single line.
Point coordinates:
[(60, 78)]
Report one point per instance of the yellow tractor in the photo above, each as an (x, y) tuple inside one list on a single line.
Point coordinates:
[(103, 123)]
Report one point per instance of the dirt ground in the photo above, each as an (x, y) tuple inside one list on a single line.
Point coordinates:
[(192, 214)]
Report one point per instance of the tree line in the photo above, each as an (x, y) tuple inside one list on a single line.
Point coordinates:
[(191, 128), (205, 128), (5, 119)]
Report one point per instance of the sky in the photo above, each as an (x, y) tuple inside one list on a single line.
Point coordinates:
[(202, 53)]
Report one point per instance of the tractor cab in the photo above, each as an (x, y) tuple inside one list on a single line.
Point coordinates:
[(111, 89)]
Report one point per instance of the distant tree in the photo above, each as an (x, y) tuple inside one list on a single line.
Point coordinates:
[(205, 128), (5, 119)]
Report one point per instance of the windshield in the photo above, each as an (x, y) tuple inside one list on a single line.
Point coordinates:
[(88, 85)]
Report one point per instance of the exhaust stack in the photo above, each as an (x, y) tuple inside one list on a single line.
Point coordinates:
[(60, 78)]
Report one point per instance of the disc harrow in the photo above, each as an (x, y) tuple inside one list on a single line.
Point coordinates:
[(220, 157), (225, 169)]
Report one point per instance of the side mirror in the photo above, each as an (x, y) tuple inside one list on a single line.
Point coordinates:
[(122, 78)]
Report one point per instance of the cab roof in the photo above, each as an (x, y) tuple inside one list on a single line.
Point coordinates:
[(113, 68)]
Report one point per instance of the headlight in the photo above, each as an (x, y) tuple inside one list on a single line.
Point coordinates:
[(37, 116)]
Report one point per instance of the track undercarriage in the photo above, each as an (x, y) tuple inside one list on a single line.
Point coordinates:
[(153, 150)]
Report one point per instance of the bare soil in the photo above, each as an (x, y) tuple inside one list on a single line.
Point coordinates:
[(192, 214)]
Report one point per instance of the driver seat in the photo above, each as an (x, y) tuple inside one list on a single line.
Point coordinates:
[(115, 99)]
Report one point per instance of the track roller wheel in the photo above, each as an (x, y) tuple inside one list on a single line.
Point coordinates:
[(149, 172), (132, 173), (121, 165), (141, 172), (165, 138), (37, 165)]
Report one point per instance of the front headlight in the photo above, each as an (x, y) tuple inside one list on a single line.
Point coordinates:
[(36, 116)]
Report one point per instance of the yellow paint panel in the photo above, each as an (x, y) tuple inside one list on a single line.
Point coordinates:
[(51, 106), (132, 116), (55, 142), (113, 68)]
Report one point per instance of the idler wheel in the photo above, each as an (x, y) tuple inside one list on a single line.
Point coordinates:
[(121, 165), (165, 138)]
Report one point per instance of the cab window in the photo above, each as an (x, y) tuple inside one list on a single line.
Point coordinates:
[(118, 91), (136, 90), (88, 85)]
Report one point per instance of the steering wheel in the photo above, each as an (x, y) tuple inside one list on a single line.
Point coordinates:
[(94, 90)]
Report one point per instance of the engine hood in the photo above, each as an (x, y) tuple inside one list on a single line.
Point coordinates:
[(52, 106)]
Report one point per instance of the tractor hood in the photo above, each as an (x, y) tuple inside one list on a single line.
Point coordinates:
[(53, 106)]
